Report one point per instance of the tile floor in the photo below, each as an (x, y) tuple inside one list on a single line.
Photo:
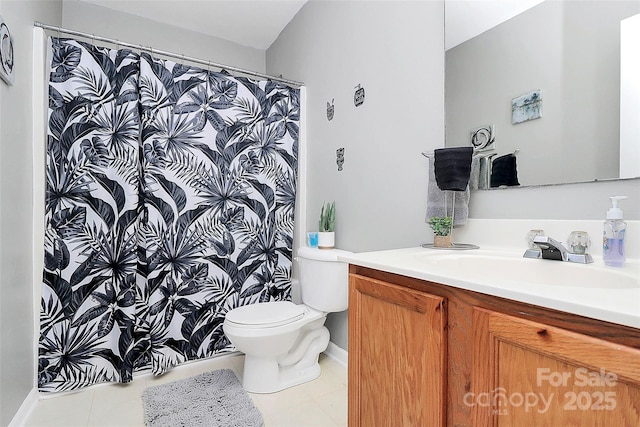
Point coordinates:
[(322, 402)]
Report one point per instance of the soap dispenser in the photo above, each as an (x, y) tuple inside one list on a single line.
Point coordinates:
[(613, 236)]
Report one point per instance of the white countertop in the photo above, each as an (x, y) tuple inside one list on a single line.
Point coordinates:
[(591, 290)]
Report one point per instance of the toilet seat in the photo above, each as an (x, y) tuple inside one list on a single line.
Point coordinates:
[(266, 315)]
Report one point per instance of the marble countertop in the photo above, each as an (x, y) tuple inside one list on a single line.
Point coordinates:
[(592, 290)]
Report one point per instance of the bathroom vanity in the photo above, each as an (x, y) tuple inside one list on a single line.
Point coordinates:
[(431, 344)]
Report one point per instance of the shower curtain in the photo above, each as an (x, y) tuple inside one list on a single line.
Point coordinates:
[(170, 200)]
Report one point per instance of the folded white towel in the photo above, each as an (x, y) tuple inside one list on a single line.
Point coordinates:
[(436, 201)]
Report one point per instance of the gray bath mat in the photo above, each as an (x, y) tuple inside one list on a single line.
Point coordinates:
[(211, 399)]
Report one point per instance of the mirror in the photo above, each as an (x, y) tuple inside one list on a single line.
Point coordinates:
[(561, 61)]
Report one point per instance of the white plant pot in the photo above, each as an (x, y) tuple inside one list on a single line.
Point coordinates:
[(326, 240)]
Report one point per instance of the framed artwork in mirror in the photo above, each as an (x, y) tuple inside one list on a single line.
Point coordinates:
[(526, 107)]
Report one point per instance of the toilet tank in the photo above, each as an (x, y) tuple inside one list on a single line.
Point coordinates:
[(324, 281)]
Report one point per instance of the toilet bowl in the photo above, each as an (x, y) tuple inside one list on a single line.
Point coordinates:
[(282, 340)]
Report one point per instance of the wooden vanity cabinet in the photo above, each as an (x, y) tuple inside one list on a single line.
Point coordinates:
[(530, 373), (397, 335), (425, 354)]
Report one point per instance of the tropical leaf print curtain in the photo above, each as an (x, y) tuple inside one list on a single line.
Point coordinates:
[(219, 162), (170, 200), (87, 310)]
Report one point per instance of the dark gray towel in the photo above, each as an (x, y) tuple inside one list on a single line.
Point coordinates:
[(453, 168), (504, 171)]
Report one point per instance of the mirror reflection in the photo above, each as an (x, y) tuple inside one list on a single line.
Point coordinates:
[(539, 95)]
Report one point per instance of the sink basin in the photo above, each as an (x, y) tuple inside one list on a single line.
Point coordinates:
[(488, 268)]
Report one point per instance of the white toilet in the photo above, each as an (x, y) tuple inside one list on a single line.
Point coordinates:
[(282, 340)]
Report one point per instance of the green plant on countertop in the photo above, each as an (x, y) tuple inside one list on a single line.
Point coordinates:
[(328, 217), (441, 226)]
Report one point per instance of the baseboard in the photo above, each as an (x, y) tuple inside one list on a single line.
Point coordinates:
[(338, 354), (20, 418)]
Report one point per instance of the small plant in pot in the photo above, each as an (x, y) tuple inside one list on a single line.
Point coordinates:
[(441, 227), (326, 234)]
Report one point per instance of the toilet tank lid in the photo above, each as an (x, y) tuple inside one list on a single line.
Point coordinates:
[(321, 254)]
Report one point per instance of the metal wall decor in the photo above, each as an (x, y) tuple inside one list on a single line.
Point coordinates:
[(6, 53), (330, 110), (358, 96), (340, 158), (483, 137)]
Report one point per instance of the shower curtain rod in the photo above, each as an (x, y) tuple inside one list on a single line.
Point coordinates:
[(167, 54)]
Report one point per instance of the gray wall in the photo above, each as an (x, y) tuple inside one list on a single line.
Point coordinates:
[(381, 192), (17, 366), (395, 51), (93, 19), (571, 51)]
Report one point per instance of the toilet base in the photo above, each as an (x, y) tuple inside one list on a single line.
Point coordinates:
[(266, 376), (299, 365)]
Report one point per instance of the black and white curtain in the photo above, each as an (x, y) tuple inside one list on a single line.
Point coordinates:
[(170, 200)]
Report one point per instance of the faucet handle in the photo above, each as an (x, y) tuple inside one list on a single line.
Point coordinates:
[(533, 251), (531, 235), (579, 242)]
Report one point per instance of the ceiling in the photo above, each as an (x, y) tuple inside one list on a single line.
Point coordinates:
[(257, 23), (465, 19), (253, 23)]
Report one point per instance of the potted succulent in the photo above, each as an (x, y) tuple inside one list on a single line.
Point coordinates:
[(326, 234), (441, 227)]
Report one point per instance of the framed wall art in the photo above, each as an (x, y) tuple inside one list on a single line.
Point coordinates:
[(526, 107)]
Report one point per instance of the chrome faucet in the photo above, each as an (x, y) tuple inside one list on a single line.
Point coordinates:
[(548, 248)]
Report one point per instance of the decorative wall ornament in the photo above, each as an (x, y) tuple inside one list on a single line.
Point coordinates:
[(6, 53), (340, 158), (358, 96), (526, 107), (483, 137), (330, 110)]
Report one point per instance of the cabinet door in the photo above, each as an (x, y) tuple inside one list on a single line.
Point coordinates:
[(397, 355), (528, 373)]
